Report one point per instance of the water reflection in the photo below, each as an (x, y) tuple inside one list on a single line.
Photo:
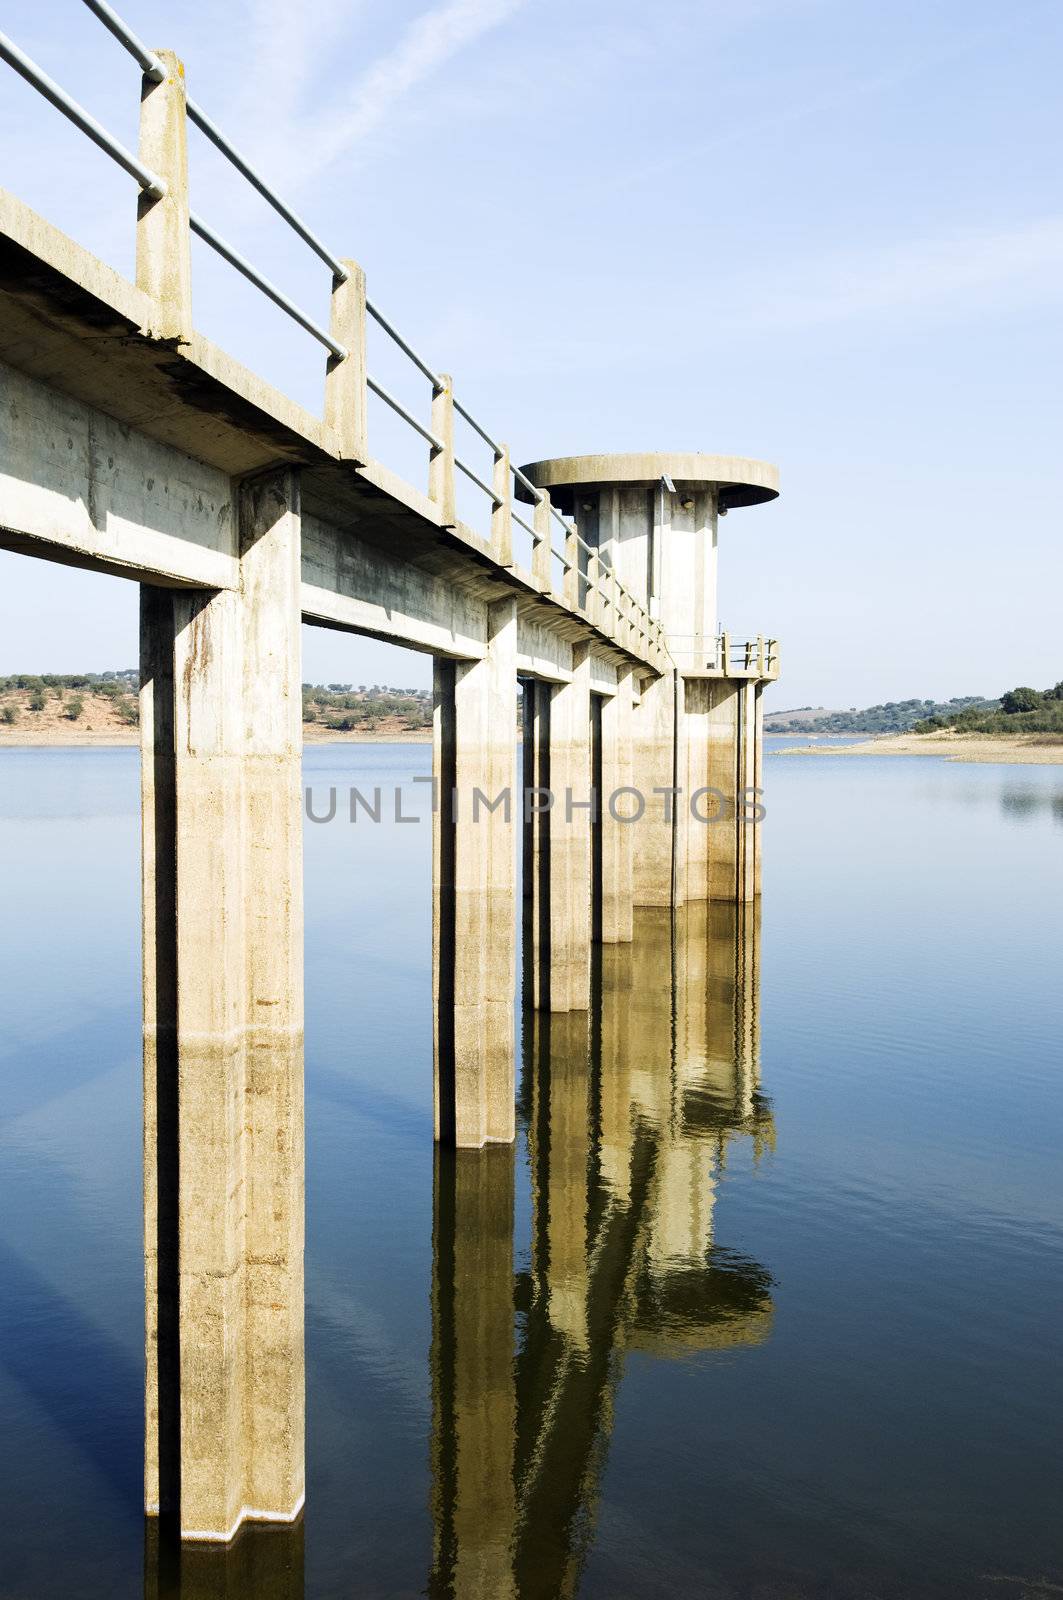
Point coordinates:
[(628, 1114), (1020, 804), (262, 1563)]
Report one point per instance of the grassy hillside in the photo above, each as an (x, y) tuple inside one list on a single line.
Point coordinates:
[(894, 716), (69, 704), (1018, 711)]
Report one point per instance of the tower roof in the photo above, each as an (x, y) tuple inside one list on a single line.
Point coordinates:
[(738, 481)]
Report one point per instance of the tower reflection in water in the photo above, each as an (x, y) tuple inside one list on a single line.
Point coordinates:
[(627, 1115)]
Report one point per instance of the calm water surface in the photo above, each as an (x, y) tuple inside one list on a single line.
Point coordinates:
[(765, 1303)]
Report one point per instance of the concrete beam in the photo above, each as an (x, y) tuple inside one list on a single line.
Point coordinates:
[(78, 487), (350, 584), (223, 1035)]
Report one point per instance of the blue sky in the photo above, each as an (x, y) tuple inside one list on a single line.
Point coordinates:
[(828, 233)]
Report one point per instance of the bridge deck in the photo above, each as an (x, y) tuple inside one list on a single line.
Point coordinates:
[(71, 323)]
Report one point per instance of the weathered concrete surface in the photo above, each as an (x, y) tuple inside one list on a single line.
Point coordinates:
[(132, 445), (72, 323), (223, 1010), (164, 242), (654, 769), (536, 842), (617, 836), (475, 921), (568, 867), (79, 487)]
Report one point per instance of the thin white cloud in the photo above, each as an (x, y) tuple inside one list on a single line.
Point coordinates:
[(1003, 270), (428, 44), (296, 51), (288, 45)]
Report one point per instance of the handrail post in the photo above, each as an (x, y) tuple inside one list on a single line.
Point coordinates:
[(164, 241), (760, 655), (502, 508), (726, 653), (441, 462), (542, 560), (572, 573), (346, 394)]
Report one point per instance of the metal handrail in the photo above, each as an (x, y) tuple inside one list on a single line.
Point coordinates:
[(153, 68), (479, 482), (471, 420), (205, 125), (149, 63), (388, 327), (150, 182), (604, 582), (537, 494), (279, 298), (407, 416)]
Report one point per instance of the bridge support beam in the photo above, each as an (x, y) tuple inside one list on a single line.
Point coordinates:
[(657, 729), (723, 733), (223, 1040), (618, 836), (567, 879), (474, 892)]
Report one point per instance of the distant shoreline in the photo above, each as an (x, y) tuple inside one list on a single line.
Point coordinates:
[(116, 739), (966, 747)]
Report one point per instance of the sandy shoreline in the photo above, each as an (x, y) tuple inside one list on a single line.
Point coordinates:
[(980, 747), (950, 747)]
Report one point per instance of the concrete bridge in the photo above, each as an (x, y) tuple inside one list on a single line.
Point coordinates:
[(131, 445)]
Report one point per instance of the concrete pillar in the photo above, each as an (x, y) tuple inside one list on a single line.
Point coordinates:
[(223, 1034), (568, 868), (722, 739), (441, 486), (346, 390), (475, 909), (632, 542), (758, 776), (748, 763), (473, 1390), (537, 840), (617, 836), (655, 775)]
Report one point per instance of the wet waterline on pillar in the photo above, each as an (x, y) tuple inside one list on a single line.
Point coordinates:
[(762, 1302)]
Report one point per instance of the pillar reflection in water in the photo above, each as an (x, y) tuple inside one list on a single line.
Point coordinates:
[(264, 1562), (628, 1111)]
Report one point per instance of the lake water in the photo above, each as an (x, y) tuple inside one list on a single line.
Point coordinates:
[(766, 1302)]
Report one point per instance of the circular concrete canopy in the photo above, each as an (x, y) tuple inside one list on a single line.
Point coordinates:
[(738, 482)]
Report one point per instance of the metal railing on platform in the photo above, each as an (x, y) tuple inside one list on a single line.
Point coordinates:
[(588, 585), (726, 654)]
